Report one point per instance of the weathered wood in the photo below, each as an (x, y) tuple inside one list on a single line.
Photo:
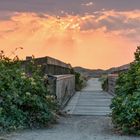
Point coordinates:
[(63, 87), (49, 65), (59, 80)]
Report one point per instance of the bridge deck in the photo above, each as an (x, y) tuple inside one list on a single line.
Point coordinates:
[(90, 101)]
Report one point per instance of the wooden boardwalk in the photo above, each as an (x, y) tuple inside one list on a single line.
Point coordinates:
[(90, 101)]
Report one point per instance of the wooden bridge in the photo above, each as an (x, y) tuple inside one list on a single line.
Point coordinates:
[(90, 101)]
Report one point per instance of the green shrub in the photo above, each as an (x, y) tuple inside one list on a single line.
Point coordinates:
[(80, 81), (126, 104), (24, 100), (104, 83)]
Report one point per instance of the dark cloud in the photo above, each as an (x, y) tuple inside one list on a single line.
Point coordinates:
[(55, 6), (49, 6), (122, 5), (113, 21), (5, 15), (120, 23)]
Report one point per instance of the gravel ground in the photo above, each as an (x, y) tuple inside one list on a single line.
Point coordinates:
[(74, 128)]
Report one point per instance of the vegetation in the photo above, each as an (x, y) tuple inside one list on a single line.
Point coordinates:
[(104, 82), (24, 99), (126, 104), (80, 81)]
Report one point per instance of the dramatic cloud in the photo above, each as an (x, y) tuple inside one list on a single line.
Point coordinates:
[(99, 40), (120, 23), (89, 33)]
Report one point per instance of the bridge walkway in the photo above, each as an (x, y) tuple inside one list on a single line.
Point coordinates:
[(92, 100)]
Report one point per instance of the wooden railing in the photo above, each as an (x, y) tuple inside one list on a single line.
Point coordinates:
[(62, 86)]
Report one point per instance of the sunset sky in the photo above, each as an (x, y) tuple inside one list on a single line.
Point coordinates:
[(88, 33)]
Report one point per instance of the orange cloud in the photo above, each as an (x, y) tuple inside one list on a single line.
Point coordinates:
[(82, 41)]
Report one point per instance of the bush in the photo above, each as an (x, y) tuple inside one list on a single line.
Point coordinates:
[(126, 104), (104, 83), (80, 81), (24, 100)]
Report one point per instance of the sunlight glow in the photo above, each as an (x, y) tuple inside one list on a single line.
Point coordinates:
[(79, 40)]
